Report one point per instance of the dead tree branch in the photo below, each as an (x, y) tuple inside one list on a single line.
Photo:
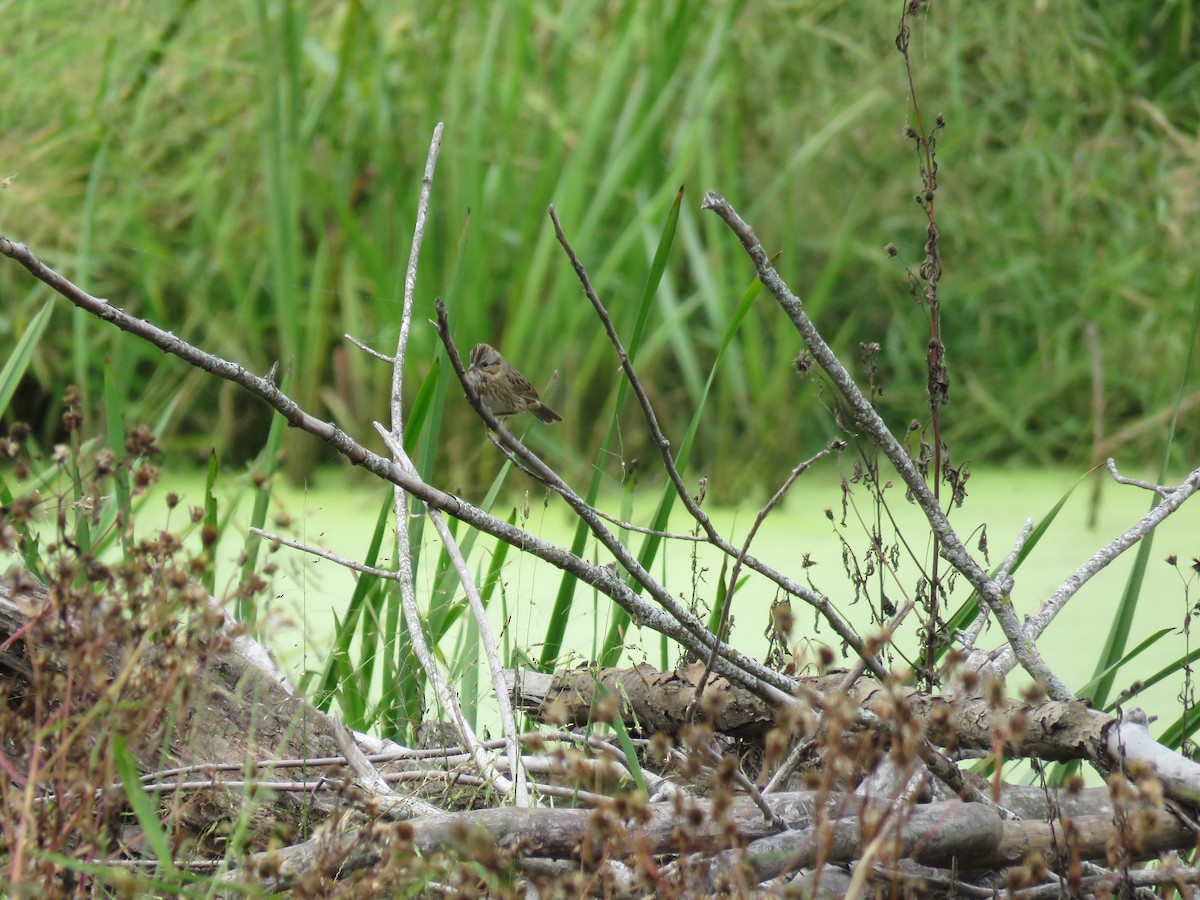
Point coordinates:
[(866, 417)]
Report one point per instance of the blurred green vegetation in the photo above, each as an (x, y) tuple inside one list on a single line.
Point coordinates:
[(245, 174)]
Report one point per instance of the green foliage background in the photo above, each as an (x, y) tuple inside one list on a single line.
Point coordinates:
[(245, 174)]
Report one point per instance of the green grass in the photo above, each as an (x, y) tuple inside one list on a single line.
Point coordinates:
[(246, 174)]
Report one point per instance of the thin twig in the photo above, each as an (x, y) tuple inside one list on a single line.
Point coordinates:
[(788, 767), (1004, 573), (370, 351), (723, 627), (572, 792), (1004, 577), (410, 282), (169, 779), (313, 550), (1159, 489), (890, 629), (758, 799), (638, 529)]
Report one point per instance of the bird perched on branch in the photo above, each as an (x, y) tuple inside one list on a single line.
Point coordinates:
[(503, 389)]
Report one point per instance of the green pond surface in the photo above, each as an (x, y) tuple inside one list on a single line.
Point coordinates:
[(340, 516)]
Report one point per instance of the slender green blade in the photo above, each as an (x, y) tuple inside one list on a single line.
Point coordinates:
[(614, 640), (18, 360), (1122, 624), (343, 635), (144, 808), (262, 476)]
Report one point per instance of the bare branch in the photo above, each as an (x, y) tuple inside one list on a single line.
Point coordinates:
[(447, 698), (814, 599), (408, 602), (1173, 498), (410, 282)]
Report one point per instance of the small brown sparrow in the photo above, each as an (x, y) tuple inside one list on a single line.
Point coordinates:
[(503, 389)]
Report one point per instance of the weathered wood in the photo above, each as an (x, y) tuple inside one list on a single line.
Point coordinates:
[(654, 701)]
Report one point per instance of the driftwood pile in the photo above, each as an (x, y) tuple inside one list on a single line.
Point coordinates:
[(870, 800)]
